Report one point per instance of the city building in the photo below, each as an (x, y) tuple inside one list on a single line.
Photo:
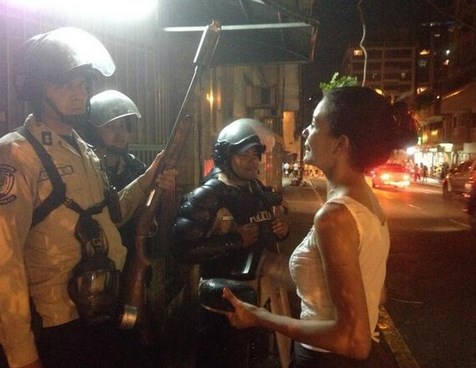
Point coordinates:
[(433, 72), (446, 109), (386, 66)]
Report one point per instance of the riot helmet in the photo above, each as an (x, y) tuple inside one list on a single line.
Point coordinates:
[(106, 108), (236, 137), (58, 56), (111, 105)]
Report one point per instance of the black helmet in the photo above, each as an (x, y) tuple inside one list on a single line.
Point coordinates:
[(57, 56), (111, 105), (235, 137)]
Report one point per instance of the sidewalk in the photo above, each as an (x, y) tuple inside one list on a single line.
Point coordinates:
[(429, 181), (311, 192)]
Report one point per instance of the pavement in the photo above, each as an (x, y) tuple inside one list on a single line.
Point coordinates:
[(313, 190)]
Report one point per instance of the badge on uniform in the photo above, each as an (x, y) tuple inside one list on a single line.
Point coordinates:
[(7, 180), (46, 138)]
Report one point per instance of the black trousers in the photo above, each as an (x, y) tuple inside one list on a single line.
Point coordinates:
[(305, 358), (219, 345), (75, 345)]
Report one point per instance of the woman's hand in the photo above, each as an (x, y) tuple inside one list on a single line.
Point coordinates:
[(245, 315)]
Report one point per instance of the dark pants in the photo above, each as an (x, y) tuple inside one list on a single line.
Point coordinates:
[(75, 345), (305, 358), (219, 345)]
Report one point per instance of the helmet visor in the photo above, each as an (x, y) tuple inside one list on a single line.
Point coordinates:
[(68, 50)]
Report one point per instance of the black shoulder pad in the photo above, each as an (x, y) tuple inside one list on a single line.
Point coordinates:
[(219, 186), (195, 212), (205, 197), (185, 230)]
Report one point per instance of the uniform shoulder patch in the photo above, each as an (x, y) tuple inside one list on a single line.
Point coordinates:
[(7, 180)]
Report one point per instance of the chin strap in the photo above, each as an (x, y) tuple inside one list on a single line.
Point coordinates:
[(113, 150), (76, 121)]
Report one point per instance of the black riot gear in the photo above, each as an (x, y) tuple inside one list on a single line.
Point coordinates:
[(237, 136), (215, 208), (206, 232), (106, 108)]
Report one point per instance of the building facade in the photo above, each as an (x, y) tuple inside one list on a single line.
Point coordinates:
[(385, 66), (434, 73)]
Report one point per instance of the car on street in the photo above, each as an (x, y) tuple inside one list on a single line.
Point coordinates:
[(390, 175), (460, 180)]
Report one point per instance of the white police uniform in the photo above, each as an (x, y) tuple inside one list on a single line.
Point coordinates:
[(37, 262)]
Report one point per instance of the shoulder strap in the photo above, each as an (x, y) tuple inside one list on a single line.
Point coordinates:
[(58, 194)]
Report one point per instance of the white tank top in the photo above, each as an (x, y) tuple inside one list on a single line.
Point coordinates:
[(307, 271)]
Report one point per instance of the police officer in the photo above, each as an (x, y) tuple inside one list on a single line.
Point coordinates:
[(42, 246), (226, 225), (111, 118), (112, 114)]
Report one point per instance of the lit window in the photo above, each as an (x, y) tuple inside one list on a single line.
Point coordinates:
[(425, 52), (422, 63), (358, 52)]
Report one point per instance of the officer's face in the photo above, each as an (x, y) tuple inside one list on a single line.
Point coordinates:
[(115, 134), (246, 164), (69, 98)]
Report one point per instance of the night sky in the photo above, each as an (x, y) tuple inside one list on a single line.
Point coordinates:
[(340, 25)]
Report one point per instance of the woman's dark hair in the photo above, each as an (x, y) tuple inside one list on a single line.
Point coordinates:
[(374, 127)]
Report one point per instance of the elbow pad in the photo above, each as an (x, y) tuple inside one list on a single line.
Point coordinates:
[(191, 245), (192, 231)]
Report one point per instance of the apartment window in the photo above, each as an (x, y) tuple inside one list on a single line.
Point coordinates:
[(392, 76), (398, 65), (398, 53), (374, 54), (375, 76), (373, 66), (422, 63)]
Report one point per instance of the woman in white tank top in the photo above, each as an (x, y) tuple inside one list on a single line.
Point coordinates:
[(339, 268)]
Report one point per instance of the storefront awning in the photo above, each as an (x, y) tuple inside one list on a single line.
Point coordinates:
[(252, 32), (460, 100)]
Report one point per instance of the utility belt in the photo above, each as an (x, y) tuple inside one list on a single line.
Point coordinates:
[(94, 283)]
